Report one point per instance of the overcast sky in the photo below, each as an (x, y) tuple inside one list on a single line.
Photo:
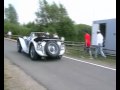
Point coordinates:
[(80, 11)]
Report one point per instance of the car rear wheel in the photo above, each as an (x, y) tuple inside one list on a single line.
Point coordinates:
[(33, 54)]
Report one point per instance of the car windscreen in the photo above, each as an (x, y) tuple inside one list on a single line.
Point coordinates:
[(40, 34)]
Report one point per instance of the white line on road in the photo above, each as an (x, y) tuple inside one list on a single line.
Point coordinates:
[(80, 60), (89, 63)]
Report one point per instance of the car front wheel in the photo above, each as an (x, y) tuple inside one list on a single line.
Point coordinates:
[(33, 54), (19, 48)]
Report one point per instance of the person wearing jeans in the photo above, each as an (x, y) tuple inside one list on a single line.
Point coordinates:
[(99, 47)]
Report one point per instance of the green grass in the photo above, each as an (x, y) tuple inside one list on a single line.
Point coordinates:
[(80, 53), (15, 38)]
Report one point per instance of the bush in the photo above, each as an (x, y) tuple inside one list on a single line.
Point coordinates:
[(65, 28), (16, 29), (79, 29)]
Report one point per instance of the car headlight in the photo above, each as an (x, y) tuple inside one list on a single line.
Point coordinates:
[(62, 46), (39, 46)]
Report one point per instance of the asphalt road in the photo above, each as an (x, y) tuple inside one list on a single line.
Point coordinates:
[(64, 74)]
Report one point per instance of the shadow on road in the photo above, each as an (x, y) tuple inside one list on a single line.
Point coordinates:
[(46, 59)]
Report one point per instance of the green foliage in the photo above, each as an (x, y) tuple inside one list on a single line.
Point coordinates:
[(51, 18), (16, 29), (50, 13), (11, 14), (66, 29), (32, 26), (80, 31)]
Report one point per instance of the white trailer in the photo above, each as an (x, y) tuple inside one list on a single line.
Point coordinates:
[(108, 29)]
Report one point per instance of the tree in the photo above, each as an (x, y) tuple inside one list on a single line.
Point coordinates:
[(50, 13), (32, 26), (54, 18), (66, 28), (11, 14), (16, 29), (79, 30)]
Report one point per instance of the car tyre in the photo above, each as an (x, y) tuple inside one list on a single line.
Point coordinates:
[(33, 54), (59, 57), (19, 48), (52, 49)]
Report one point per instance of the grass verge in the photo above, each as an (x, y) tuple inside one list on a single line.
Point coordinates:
[(81, 54)]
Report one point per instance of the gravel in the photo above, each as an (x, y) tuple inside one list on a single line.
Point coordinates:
[(16, 79)]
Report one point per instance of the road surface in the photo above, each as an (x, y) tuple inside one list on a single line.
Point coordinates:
[(64, 74)]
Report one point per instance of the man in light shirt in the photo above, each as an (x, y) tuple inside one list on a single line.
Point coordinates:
[(99, 47), (9, 34)]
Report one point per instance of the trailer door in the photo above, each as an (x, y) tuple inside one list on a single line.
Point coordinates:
[(95, 27)]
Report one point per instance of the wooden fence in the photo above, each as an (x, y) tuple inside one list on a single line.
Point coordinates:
[(71, 44)]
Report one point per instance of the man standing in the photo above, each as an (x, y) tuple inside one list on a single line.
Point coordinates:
[(9, 34), (99, 47), (87, 38)]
